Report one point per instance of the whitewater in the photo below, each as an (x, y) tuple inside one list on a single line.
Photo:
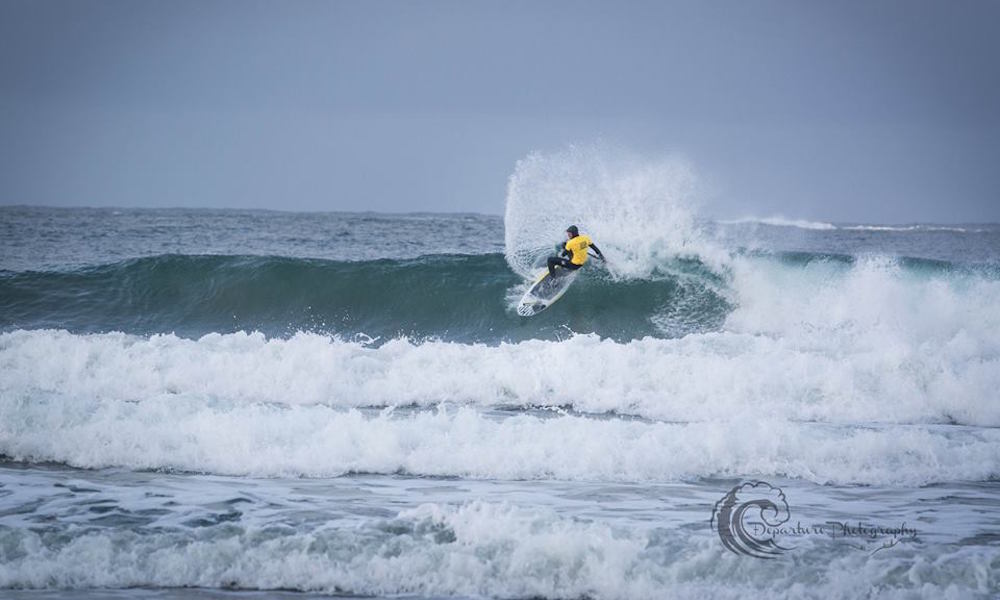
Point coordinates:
[(215, 403)]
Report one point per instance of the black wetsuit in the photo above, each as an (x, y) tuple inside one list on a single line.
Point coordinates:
[(560, 261), (564, 261)]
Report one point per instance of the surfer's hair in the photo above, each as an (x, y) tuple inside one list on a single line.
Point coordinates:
[(574, 230)]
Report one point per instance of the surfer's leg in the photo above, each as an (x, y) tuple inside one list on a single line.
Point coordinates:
[(552, 262), (559, 261)]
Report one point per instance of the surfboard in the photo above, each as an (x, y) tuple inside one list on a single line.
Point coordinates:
[(545, 291)]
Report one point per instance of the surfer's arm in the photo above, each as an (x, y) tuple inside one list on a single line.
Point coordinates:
[(600, 254)]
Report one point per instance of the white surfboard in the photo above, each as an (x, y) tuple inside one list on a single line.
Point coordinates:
[(545, 291)]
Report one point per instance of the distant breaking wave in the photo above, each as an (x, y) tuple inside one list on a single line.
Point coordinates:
[(779, 221), (913, 228)]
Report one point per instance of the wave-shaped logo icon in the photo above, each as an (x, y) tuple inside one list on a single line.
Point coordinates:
[(748, 519)]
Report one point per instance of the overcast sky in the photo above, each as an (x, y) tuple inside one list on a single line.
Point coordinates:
[(872, 111)]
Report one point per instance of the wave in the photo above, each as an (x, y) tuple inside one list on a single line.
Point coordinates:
[(470, 298), (477, 549), (825, 367), (698, 378), (263, 440), (906, 228), (778, 221), (719, 404), (454, 297)]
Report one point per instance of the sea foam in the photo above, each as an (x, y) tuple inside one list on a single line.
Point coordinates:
[(481, 549)]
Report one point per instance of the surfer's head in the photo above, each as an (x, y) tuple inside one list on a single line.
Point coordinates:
[(572, 231)]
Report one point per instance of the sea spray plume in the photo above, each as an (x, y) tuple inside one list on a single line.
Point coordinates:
[(754, 538), (639, 211)]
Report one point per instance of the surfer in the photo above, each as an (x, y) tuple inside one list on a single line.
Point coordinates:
[(573, 254)]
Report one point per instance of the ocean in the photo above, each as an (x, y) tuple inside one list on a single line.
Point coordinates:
[(243, 404)]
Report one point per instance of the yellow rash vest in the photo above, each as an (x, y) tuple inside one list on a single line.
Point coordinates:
[(578, 246)]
